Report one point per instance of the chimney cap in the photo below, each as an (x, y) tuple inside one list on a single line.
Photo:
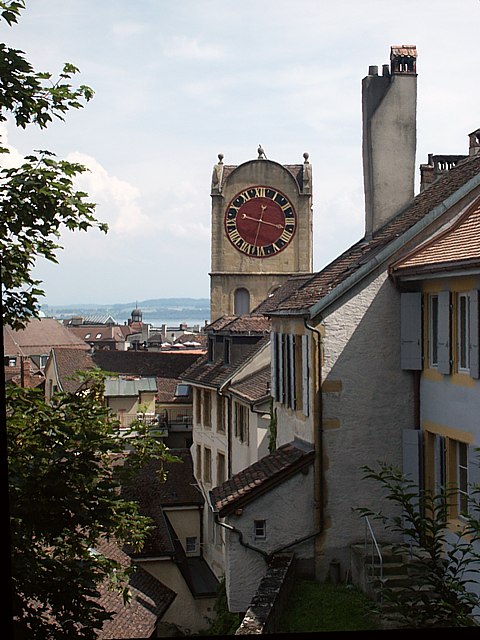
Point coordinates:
[(409, 50)]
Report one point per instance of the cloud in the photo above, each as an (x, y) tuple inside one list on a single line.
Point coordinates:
[(190, 49), (118, 200), (127, 29), (13, 158)]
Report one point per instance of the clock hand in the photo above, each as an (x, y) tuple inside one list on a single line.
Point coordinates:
[(263, 207), (272, 224), (259, 220)]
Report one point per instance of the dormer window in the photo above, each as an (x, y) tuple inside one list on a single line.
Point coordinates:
[(227, 350), (211, 349)]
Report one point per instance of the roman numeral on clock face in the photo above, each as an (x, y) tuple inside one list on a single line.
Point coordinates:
[(260, 221)]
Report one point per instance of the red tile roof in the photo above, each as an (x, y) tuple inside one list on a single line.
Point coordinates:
[(458, 245), (215, 374), (168, 364), (68, 362), (153, 495), (249, 324), (38, 337), (254, 387), (150, 599), (260, 477)]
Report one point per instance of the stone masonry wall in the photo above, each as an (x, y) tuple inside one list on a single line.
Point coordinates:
[(269, 601)]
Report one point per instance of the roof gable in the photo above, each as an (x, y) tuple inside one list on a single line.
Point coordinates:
[(457, 245), (218, 373), (260, 477)]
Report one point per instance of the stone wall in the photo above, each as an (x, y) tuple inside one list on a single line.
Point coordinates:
[(269, 601)]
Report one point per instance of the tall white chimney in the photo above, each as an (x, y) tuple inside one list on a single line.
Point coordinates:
[(389, 108)]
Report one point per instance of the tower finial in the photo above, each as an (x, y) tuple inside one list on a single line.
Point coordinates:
[(261, 153)]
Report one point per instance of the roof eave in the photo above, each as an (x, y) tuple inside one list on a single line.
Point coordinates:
[(269, 484), (393, 246), (450, 269)]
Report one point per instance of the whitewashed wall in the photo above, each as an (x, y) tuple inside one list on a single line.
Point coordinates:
[(288, 511)]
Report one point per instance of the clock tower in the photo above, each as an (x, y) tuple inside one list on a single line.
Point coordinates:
[(261, 231)]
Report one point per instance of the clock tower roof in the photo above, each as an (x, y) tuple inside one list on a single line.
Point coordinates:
[(301, 173)]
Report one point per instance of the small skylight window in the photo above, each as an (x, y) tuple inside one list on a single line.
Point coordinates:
[(182, 390), (87, 336), (99, 335)]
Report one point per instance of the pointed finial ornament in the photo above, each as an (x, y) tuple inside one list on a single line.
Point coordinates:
[(261, 153)]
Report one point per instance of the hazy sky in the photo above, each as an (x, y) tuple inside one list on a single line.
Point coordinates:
[(178, 81)]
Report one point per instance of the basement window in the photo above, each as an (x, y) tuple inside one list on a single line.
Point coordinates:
[(259, 529)]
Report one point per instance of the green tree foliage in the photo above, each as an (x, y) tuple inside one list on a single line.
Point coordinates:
[(38, 198), (224, 623), (65, 479), (272, 428), (65, 475), (443, 563)]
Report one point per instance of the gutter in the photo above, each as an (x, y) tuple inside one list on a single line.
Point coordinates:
[(318, 441)]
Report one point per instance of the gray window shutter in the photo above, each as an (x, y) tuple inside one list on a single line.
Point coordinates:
[(305, 376), (291, 373), (474, 347), (280, 360), (474, 466), (444, 364), (411, 331), (273, 367), (412, 455), (440, 463)]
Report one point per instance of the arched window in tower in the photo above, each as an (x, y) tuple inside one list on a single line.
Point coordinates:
[(241, 302)]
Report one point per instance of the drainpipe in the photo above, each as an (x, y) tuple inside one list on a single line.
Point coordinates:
[(291, 544), (318, 437), (267, 556), (228, 427), (230, 527)]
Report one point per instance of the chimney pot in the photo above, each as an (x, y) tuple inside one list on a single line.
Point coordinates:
[(474, 146)]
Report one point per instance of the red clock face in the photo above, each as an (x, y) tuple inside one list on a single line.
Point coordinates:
[(260, 222)]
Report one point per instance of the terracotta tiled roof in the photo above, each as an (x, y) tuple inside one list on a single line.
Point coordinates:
[(259, 477), (252, 323), (168, 364), (166, 391), (282, 293), (38, 337), (334, 274), (153, 495), (98, 333), (150, 600), (460, 243), (215, 374), (68, 362), (254, 387)]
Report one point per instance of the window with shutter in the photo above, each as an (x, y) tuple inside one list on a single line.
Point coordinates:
[(463, 333), (444, 352), (305, 375), (474, 335), (411, 331)]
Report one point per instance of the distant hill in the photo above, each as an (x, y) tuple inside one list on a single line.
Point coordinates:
[(166, 308)]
